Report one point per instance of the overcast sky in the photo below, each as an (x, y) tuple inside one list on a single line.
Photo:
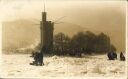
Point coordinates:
[(72, 9), (102, 15)]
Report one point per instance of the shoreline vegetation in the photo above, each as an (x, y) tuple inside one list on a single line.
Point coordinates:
[(81, 43)]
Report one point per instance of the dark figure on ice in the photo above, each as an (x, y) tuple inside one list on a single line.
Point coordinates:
[(112, 55), (38, 58), (122, 57), (115, 55)]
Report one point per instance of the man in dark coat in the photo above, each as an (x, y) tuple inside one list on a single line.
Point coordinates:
[(41, 59), (122, 57), (43, 50), (36, 59), (112, 55)]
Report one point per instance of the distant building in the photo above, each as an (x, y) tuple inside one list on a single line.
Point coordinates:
[(47, 28)]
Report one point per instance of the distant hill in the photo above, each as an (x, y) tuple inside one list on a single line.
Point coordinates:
[(22, 33), (19, 33)]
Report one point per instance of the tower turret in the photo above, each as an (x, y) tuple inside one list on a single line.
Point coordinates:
[(44, 16)]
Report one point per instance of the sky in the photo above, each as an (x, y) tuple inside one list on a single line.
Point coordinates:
[(102, 15), (16, 9)]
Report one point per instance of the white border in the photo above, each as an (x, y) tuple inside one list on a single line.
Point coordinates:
[(126, 62)]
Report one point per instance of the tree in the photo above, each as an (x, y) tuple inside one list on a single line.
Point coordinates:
[(91, 39), (102, 43), (78, 40), (78, 43), (61, 43), (82, 42)]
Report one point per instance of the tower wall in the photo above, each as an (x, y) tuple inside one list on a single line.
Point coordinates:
[(46, 33)]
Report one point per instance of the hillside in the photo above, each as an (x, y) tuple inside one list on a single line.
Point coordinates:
[(23, 33)]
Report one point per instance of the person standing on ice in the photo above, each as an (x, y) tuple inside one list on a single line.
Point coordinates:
[(122, 57), (43, 50)]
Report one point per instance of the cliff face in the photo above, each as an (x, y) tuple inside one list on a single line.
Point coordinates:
[(23, 33)]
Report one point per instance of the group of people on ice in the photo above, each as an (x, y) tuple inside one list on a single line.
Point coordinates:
[(38, 57), (113, 55)]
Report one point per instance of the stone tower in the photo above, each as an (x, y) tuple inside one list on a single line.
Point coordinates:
[(46, 28)]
